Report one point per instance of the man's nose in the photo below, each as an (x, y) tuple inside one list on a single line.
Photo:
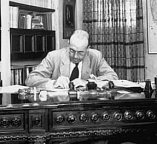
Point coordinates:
[(76, 55)]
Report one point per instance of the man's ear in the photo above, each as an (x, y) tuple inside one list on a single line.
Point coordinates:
[(68, 41)]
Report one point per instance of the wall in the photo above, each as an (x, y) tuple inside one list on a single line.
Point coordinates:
[(150, 59), (151, 66), (78, 19)]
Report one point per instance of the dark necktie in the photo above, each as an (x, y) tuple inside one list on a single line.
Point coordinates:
[(75, 72)]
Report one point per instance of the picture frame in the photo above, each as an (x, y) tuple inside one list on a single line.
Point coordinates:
[(151, 6), (68, 18)]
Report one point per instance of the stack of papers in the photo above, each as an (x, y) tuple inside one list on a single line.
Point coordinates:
[(100, 84)]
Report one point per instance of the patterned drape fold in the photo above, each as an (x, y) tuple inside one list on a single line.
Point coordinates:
[(116, 29)]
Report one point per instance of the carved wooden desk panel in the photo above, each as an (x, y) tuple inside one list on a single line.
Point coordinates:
[(59, 122)]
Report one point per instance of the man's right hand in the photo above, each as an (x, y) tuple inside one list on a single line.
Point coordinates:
[(79, 82), (62, 82)]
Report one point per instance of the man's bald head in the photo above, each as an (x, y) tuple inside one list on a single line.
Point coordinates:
[(79, 38)]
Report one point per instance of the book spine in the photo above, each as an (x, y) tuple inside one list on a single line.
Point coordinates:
[(17, 76), (14, 16)]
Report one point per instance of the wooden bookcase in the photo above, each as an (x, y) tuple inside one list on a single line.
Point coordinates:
[(28, 45)]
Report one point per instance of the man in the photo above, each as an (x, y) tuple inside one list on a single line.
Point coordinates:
[(56, 68)]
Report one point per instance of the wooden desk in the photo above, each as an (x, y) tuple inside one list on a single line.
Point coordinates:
[(69, 122)]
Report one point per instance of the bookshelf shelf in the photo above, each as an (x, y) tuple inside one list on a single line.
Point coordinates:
[(30, 8), (31, 44)]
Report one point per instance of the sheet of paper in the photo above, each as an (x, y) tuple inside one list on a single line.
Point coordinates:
[(125, 83), (11, 89), (56, 90), (100, 84)]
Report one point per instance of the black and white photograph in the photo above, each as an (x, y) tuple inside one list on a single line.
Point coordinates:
[(78, 72)]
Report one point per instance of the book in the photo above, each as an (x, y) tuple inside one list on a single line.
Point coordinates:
[(14, 16), (28, 69), (17, 76), (37, 22)]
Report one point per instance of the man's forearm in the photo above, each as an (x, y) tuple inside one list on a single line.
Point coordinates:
[(36, 81)]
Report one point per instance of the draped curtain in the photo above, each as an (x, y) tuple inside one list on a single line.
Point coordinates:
[(116, 29)]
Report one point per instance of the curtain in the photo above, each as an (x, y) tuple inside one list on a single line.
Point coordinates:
[(116, 29)]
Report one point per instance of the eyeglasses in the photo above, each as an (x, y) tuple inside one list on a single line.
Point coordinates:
[(80, 53)]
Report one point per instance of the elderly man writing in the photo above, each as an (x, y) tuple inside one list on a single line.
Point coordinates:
[(77, 61)]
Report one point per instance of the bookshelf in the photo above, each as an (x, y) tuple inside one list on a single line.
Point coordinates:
[(23, 47), (30, 40), (30, 17), (20, 72)]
